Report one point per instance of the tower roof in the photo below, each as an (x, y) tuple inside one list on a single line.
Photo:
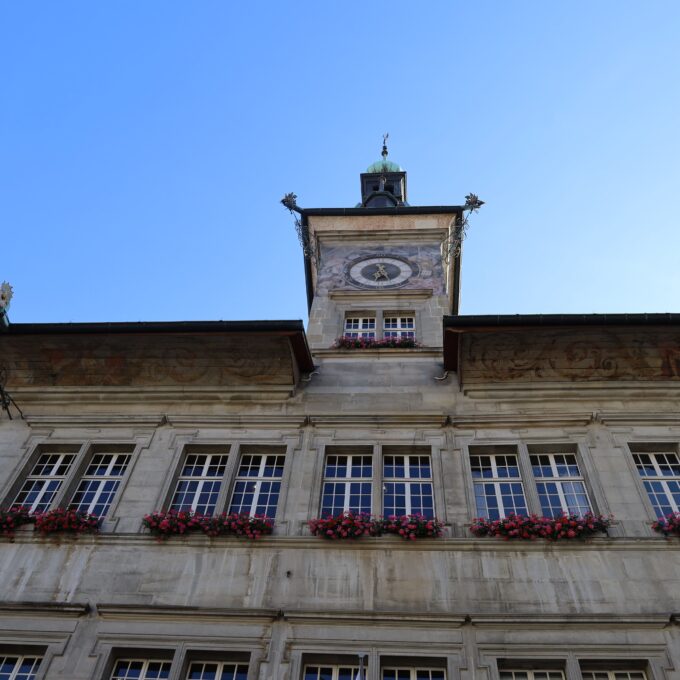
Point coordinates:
[(383, 165)]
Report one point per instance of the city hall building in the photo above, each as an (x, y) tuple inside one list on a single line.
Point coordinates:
[(419, 410)]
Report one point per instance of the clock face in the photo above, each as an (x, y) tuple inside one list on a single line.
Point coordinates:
[(380, 272)]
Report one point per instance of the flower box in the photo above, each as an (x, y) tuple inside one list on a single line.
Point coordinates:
[(65, 521), (669, 525), (355, 525), (373, 343), (173, 523), (344, 526), (180, 522), (411, 527), (238, 524), (566, 527), (11, 519)]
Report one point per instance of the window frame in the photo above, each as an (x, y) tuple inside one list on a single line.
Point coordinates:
[(146, 660), (234, 448), (278, 451), (400, 331), (523, 449), (361, 331), (559, 481), (407, 480), (493, 450), (224, 452), (429, 446), (652, 448), (413, 670), (84, 450), (379, 317), (20, 656)]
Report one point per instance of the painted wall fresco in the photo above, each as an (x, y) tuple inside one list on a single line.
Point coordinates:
[(559, 355), (125, 360)]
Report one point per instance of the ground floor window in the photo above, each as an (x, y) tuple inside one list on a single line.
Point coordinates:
[(413, 674), (613, 675), (200, 670), (531, 675), (332, 673), (19, 667), (141, 669)]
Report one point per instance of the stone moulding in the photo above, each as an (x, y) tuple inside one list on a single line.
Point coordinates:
[(370, 544), (50, 609)]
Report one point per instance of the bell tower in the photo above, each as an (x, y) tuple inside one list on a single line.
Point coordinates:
[(383, 273), (384, 183)]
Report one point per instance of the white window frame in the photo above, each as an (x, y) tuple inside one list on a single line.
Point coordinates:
[(497, 481), (612, 674), (365, 327), (235, 666), (401, 329), (658, 477), (145, 667), (102, 479), (258, 480), (407, 480), (335, 670), (531, 673), (201, 479), (413, 671), (347, 480), (30, 477), (21, 658), (560, 481)]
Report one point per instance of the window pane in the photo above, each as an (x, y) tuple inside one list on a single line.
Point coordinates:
[(256, 490), (200, 483), (99, 484), (43, 483), (661, 473)]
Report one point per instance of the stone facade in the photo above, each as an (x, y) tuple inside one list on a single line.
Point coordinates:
[(469, 607)]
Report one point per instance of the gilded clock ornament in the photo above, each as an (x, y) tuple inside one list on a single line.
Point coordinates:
[(380, 271)]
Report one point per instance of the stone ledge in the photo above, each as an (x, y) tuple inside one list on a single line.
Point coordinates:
[(383, 543)]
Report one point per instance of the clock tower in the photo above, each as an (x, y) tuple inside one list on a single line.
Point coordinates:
[(383, 270)]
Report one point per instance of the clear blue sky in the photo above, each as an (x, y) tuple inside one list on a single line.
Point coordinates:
[(144, 148)]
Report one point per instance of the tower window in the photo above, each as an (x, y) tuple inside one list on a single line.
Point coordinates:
[(399, 327), (360, 327)]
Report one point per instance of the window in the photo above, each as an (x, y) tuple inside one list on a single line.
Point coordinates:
[(141, 669), (332, 673), (399, 327), (407, 485), (19, 667), (413, 674), (613, 675), (258, 484), (560, 485), (498, 486), (347, 484), (660, 472), (100, 483), (531, 675), (44, 481), (360, 327), (199, 482), (217, 671)]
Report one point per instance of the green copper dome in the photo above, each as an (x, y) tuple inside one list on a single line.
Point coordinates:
[(383, 165)]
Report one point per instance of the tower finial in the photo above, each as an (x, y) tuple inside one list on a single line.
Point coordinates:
[(384, 149)]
